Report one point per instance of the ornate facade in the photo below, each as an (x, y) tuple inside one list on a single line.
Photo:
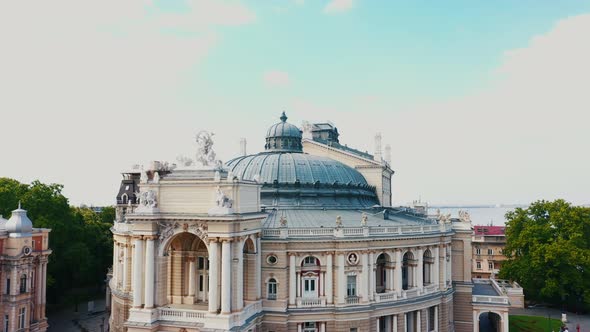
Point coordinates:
[(24, 252), (301, 237)]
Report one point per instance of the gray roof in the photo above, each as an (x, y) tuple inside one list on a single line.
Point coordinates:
[(484, 289), (314, 218), (288, 167), (283, 129)]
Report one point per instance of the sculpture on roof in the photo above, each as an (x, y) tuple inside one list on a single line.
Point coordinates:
[(338, 221), (148, 199), (464, 216), (364, 219), (307, 129), (283, 221), (444, 218), (222, 200), (205, 154)]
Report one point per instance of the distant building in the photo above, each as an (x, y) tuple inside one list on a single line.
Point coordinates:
[(24, 251), (488, 245)]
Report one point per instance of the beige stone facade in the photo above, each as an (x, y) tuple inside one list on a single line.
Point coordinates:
[(284, 241)]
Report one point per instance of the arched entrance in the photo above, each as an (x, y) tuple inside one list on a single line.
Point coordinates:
[(188, 270), (490, 322)]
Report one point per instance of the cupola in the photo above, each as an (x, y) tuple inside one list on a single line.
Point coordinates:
[(283, 136), (19, 222)]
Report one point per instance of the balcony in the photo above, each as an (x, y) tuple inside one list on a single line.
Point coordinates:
[(308, 302), (352, 300)]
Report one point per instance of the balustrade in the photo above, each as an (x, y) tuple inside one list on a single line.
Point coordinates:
[(354, 231)]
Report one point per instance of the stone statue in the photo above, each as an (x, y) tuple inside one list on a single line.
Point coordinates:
[(307, 130), (222, 200), (205, 154), (338, 221), (444, 218), (464, 216), (156, 178), (184, 161), (148, 199), (143, 177), (217, 177), (283, 221), (364, 219)]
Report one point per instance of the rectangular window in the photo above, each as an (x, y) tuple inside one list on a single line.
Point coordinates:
[(7, 285), (490, 266), (431, 322), (272, 289), (21, 318), (200, 283), (351, 286), (23, 284), (490, 251), (478, 265), (6, 321), (354, 329), (477, 251), (201, 263)]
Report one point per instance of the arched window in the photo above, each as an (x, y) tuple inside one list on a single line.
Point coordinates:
[(23, 284), (272, 289)]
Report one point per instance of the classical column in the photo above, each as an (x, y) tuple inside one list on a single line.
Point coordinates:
[(450, 264), (125, 267), (205, 279), (323, 327), (420, 275), (372, 276), (378, 324), (398, 270), (44, 289), (149, 272), (258, 267), (213, 276), (435, 276), (321, 281), (299, 327), (418, 321), (298, 284), (329, 279), (192, 273), (394, 323), (341, 284), (292, 279), (443, 277), (39, 289), (137, 271), (505, 327), (436, 319), (476, 321), (115, 263), (390, 273), (226, 287), (366, 277), (239, 293)]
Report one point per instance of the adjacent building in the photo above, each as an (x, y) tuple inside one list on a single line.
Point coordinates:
[(488, 245), (24, 252), (300, 237)]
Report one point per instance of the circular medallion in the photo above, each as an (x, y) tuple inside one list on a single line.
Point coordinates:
[(353, 259), (27, 250), (272, 259)]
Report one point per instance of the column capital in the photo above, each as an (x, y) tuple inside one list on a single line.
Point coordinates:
[(150, 237), (291, 253), (213, 240), (137, 237), (397, 250), (329, 253), (226, 239)]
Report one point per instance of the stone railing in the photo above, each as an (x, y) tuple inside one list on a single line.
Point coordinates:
[(346, 232), (352, 300), (304, 302), (431, 288), (385, 297), (120, 227), (181, 315), (490, 299), (412, 292)]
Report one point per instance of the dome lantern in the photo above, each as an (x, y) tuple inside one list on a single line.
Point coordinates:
[(283, 137)]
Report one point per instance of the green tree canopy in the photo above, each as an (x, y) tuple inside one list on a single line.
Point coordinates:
[(80, 237), (548, 250)]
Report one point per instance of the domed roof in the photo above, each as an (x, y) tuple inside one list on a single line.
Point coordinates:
[(293, 179), (283, 129), (19, 222), (294, 168), (283, 136), (2, 224)]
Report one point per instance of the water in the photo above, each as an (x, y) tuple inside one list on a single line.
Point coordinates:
[(479, 215)]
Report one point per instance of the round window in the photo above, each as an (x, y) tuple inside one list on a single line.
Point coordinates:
[(272, 259)]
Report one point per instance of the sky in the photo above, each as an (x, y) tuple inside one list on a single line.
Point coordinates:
[(482, 102)]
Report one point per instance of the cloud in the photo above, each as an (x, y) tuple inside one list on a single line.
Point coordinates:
[(338, 6), (276, 78), (82, 78)]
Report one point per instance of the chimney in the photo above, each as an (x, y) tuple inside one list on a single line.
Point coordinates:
[(377, 156), (243, 146), (388, 154)]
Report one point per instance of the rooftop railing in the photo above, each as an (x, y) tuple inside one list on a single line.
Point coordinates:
[(345, 232)]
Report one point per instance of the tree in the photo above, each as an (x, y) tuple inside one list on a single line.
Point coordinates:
[(548, 251), (80, 238)]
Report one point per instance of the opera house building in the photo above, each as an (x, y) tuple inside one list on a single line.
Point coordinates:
[(299, 237)]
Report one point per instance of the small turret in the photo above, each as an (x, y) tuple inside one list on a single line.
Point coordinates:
[(19, 223)]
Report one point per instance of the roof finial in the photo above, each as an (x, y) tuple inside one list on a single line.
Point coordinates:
[(19, 205), (284, 117)]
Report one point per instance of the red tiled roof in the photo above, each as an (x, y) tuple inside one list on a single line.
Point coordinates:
[(489, 230)]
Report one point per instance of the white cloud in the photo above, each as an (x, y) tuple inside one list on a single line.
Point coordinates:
[(338, 6), (276, 78), (89, 82)]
